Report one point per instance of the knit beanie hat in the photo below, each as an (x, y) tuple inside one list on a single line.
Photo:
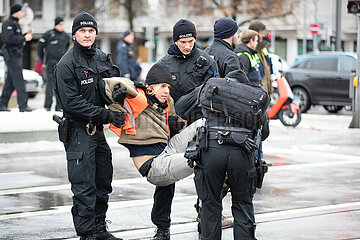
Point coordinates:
[(158, 73), (59, 20), (84, 19), (15, 8), (183, 28), (127, 32), (225, 27)]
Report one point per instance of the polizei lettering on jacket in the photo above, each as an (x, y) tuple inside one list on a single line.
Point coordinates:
[(87, 23), (86, 81)]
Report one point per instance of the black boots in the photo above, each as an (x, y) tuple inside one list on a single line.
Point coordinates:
[(89, 237), (26, 109), (101, 232), (162, 233), (4, 109)]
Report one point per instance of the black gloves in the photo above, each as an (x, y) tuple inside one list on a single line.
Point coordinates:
[(174, 125), (116, 118), (119, 95), (192, 153)]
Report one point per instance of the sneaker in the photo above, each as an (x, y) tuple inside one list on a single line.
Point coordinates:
[(101, 231), (4, 109), (226, 222), (162, 233), (26, 109)]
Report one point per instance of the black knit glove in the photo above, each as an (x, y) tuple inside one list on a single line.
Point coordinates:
[(174, 125), (116, 118), (119, 95)]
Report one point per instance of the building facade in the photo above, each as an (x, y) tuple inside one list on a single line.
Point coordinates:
[(152, 21)]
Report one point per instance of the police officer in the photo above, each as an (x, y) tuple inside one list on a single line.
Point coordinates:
[(222, 49), (218, 159), (189, 67), (14, 42), (248, 55), (125, 57), (79, 89), (55, 42)]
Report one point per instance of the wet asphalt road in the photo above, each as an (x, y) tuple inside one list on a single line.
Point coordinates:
[(312, 189)]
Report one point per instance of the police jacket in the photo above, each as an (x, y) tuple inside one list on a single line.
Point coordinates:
[(250, 63), (126, 60), (79, 87), (55, 44), (188, 71), (224, 56), (12, 36)]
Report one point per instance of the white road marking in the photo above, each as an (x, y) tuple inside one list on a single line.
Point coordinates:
[(311, 153), (112, 205), (65, 186), (312, 165), (16, 173)]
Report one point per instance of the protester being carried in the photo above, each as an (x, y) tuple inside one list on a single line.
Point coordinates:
[(150, 119)]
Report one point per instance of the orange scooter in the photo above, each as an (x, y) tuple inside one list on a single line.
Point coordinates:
[(284, 105)]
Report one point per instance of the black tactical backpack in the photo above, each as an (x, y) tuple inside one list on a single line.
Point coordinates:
[(239, 101)]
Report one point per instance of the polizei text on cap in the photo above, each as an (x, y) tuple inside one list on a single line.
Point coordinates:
[(87, 23)]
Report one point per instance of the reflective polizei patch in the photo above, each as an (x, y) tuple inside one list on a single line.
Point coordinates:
[(86, 81)]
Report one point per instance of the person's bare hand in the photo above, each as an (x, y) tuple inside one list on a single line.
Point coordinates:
[(28, 35)]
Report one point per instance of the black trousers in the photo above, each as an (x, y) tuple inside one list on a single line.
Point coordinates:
[(49, 92), (14, 81), (210, 173), (160, 214), (90, 171)]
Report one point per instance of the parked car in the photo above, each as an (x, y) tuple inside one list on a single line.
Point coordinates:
[(33, 80), (322, 79)]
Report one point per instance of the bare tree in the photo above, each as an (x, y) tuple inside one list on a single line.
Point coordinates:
[(244, 9)]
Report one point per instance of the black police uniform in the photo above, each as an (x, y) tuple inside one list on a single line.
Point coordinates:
[(55, 44), (80, 92), (14, 42), (224, 56), (218, 160), (126, 60), (187, 75), (188, 71)]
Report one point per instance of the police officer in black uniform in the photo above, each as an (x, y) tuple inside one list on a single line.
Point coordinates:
[(14, 42), (80, 91), (220, 158), (125, 56), (189, 67), (222, 49), (55, 42)]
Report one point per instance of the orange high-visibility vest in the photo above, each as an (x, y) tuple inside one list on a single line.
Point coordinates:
[(134, 107)]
